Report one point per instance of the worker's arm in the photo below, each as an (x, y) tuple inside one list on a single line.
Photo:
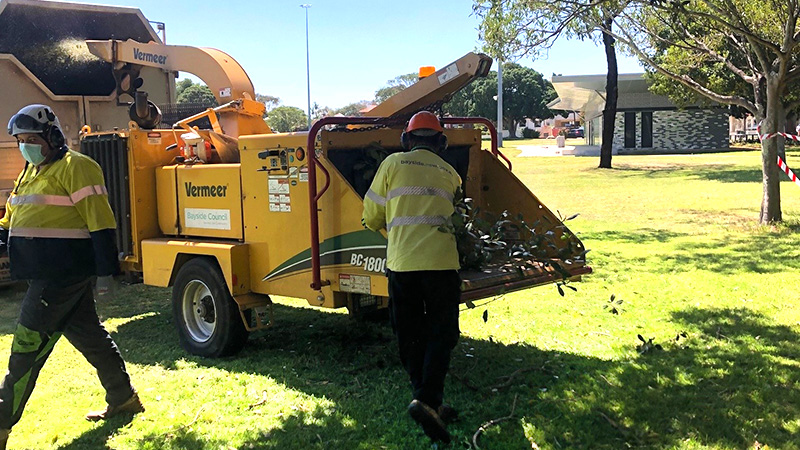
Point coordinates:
[(87, 190), (374, 216), (5, 221)]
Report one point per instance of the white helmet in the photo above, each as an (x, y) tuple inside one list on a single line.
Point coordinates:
[(38, 119)]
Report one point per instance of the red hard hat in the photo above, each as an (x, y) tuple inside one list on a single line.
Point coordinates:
[(424, 120)]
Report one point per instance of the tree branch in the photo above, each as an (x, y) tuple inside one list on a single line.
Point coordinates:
[(683, 79), (491, 423)]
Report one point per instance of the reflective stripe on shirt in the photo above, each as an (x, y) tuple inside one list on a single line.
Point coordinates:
[(40, 199), (419, 190), (416, 220), (54, 233), (376, 198), (82, 193)]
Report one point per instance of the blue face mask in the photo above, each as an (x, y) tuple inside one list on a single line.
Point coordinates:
[(32, 153)]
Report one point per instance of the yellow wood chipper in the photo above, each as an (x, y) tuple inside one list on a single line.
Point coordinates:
[(232, 213)]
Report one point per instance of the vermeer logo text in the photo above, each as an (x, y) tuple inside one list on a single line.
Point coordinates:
[(149, 57)]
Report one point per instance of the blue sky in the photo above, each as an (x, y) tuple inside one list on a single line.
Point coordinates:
[(356, 46)]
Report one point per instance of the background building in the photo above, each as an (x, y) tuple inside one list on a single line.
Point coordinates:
[(645, 122)]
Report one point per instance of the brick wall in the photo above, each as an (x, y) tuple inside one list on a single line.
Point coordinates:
[(678, 131)]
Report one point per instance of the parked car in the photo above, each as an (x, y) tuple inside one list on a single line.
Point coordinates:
[(575, 132)]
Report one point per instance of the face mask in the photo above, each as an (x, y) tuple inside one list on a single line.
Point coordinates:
[(32, 153)]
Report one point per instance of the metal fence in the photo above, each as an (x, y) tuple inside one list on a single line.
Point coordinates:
[(173, 112)]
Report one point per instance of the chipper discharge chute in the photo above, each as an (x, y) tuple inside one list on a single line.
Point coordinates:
[(284, 217)]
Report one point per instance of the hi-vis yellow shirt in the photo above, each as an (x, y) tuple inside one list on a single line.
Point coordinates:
[(66, 199), (59, 222), (412, 197)]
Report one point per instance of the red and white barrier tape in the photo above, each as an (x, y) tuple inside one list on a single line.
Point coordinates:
[(781, 163), (793, 137), (787, 171)]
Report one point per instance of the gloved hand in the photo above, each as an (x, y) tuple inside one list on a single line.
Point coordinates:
[(105, 287)]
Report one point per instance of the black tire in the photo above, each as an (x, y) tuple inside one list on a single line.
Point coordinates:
[(207, 318)]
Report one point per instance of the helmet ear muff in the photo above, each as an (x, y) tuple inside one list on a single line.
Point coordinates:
[(405, 141), (55, 138), (442, 142)]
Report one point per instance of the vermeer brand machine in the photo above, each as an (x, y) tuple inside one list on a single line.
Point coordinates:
[(233, 213)]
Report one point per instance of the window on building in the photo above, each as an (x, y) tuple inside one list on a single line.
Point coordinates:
[(630, 130), (647, 129)]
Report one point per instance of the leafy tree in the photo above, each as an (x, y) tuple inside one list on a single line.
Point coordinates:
[(353, 109), (525, 94), (319, 112), (530, 27), (476, 99), (197, 93), (269, 101), (181, 85), (284, 119), (394, 86), (752, 43)]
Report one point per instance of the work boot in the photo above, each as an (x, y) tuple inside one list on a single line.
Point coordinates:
[(4, 438), (131, 406), (447, 413), (430, 422)]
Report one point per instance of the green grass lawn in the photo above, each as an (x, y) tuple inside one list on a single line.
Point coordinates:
[(674, 237)]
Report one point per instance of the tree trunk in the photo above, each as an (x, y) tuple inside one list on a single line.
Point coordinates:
[(788, 127), (610, 110), (774, 121)]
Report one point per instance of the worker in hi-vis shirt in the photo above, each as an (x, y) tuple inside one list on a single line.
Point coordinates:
[(58, 230), (412, 197)]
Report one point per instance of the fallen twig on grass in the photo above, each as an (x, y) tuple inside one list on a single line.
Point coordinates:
[(625, 431), (490, 423), (260, 402), (171, 433), (606, 380), (510, 378), (465, 381)]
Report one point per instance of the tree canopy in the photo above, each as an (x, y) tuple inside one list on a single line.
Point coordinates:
[(269, 101), (395, 85), (516, 28), (525, 95), (284, 119), (353, 109), (190, 92)]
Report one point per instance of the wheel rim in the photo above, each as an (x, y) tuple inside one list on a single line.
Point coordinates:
[(199, 312)]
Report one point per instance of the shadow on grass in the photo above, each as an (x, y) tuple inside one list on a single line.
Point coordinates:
[(763, 252), (732, 381), (728, 175), (642, 235), (725, 173), (757, 253), (97, 438)]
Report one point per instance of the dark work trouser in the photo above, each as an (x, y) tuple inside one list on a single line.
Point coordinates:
[(423, 307), (48, 311)]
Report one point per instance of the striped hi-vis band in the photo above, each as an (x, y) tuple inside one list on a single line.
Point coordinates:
[(372, 195), (52, 233), (82, 193), (40, 199), (419, 190), (416, 220)]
